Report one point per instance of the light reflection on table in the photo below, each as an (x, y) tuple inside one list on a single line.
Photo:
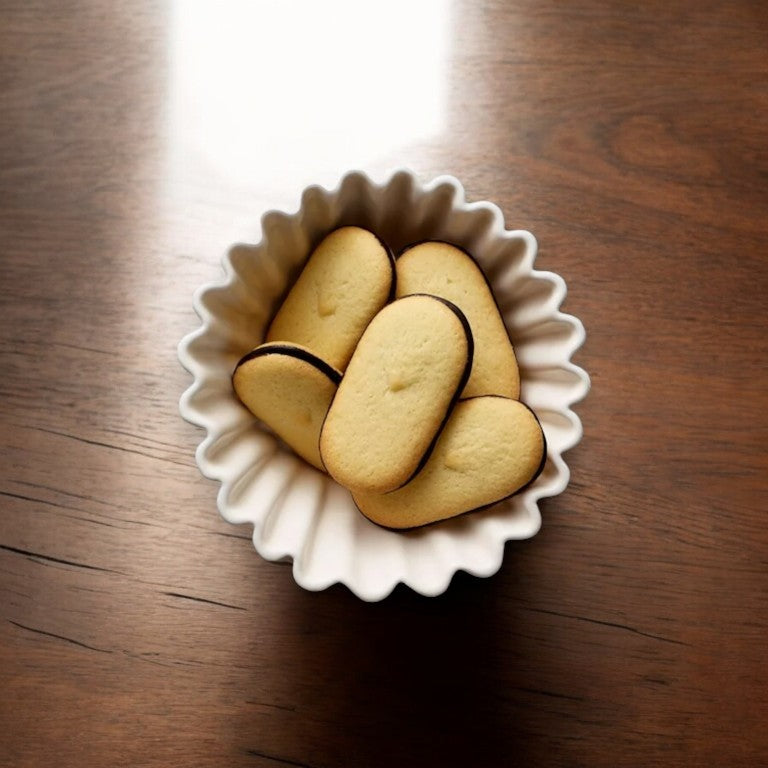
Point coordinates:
[(280, 95)]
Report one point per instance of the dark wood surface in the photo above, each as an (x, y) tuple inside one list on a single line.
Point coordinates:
[(137, 141)]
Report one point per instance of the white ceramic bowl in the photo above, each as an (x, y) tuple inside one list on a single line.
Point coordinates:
[(296, 511)]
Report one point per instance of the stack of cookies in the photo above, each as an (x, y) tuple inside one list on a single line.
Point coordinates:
[(397, 378)]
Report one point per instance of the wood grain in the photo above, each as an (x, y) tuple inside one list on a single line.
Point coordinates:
[(137, 628)]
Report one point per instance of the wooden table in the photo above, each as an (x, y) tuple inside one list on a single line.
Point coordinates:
[(137, 141)]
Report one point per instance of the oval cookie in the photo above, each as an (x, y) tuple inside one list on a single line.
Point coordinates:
[(290, 390), (445, 270), (408, 369), (348, 278), (490, 448)]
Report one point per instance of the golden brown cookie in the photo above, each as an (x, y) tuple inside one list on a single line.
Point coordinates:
[(290, 390), (408, 368), (490, 448), (348, 278), (445, 270)]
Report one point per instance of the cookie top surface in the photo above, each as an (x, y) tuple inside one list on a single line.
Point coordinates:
[(444, 270), (347, 279), (290, 390), (490, 448), (407, 370)]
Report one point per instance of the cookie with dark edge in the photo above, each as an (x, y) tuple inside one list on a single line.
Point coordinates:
[(289, 389), (491, 448), (407, 371), (445, 270), (347, 279)]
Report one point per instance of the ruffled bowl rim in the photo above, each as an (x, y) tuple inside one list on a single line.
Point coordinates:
[(571, 437)]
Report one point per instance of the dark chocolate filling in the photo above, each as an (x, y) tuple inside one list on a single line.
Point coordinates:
[(292, 351)]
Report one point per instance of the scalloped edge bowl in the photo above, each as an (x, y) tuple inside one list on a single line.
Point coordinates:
[(297, 512)]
